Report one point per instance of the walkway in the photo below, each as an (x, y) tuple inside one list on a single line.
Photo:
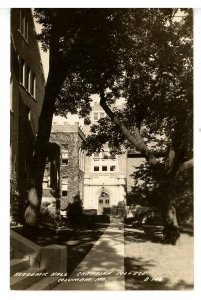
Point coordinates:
[(101, 268)]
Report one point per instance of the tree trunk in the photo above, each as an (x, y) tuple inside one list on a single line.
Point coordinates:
[(171, 228), (56, 77), (168, 211)]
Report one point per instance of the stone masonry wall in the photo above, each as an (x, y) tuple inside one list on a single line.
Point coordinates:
[(70, 141)]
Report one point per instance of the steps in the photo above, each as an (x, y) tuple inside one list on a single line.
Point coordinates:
[(30, 264), (23, 282), (36, 279), (17, 265), (47, 283)]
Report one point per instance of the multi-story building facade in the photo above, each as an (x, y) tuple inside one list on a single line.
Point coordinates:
[(105, 176), (27, 86), (102, 181)]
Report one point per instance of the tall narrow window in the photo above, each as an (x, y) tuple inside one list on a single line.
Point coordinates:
[(22, 22), (27, 78), (22, 71), (33, 85), (24, 26)]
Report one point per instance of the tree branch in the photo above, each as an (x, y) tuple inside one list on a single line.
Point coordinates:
[(171, 159), (185, 166), (135, 138)]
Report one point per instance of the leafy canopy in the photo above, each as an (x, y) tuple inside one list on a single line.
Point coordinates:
[(141, 55)]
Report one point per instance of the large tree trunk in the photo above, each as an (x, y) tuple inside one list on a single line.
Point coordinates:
[(56, 77), (171, 228)]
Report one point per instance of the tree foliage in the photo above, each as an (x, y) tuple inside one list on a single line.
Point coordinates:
[(143, 56)]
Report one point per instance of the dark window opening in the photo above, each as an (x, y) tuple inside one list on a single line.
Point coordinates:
[(104, 168), (64, 161), (112, 168), (64, 193), (96, 168)]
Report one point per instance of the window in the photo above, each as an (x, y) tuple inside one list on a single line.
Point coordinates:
[(33, 85), (64, 156), (96, 116), (24, 26), (112, 168), (22, 71), (64, 161), (65, 187), (96, 155), (104, 168), (107, 201), (101, 201), (96, 168), (105, 155), (64, 193), (102, 115), (27, 78)]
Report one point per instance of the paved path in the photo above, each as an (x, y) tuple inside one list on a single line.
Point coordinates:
[(107, 255)]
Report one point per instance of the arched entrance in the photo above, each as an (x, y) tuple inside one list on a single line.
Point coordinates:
[(103, 203)]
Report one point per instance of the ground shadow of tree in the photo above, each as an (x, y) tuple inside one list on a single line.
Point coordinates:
[(142, 280), (141, 235), (80, 244)]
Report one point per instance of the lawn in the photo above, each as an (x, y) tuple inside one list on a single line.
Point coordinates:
[(156, 266)]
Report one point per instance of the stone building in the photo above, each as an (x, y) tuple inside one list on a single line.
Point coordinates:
[(101, 181), (27, 86), (69, 159), (105, 176)]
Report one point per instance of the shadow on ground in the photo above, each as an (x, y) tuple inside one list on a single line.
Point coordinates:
[(141, 280), (140, 235), (78, 241)]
